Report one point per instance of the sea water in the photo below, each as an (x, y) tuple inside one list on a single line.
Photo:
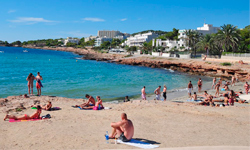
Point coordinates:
[(65, 74)]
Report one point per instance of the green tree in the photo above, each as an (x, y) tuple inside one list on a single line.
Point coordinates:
[(115, 42), (192, 38), (229, 37), (105, 45), (206, 43), (82, 41), (71, 44)]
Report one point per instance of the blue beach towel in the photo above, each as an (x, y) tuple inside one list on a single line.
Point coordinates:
[(138, 143)]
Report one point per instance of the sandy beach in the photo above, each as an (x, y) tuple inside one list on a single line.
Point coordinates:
[(171, 124)]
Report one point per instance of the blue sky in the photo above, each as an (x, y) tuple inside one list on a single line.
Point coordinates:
[(32, 19)]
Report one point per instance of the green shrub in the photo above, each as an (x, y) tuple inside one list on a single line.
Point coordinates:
[(226, 64)]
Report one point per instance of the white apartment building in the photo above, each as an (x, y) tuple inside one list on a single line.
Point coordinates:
[(167, 44), (89, 38), (108, 34), (139, 39), (100, 40), (206, 29), (71, 40)]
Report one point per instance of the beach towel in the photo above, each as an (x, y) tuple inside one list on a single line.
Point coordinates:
[(139, 144), (51, 109), (13, 120)]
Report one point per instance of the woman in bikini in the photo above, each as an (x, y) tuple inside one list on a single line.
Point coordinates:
[(36, 115), (30, 80)]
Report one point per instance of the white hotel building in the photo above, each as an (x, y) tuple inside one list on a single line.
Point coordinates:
[(71, 40), (168, 44), (139, 39)]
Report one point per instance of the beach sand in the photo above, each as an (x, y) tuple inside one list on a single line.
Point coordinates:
[(171, 124)]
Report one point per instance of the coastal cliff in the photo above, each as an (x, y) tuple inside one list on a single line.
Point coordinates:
[(191, 66)]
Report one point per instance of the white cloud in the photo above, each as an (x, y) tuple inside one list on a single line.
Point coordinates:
[(11, 11), (124, 19), (30, 20), (94, 19)]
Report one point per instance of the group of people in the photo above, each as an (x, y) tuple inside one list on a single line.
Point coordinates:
[(157, 93), (39, 85), (91, 103)]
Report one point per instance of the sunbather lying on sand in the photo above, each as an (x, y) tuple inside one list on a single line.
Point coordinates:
[(36, 115), (123, 129), (90, 102)]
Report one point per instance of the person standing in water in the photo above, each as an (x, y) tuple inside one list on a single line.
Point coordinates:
[(190, 88), (158, 93), (143, 93), (39, 84), (199, 83), (214, 82), (30, 80), (164, 92)]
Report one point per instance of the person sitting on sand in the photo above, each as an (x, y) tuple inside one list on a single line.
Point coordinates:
[(98, 104), (226, 99), (48, 106), (123, 129), (36, 115), (246, 86), (90, 102), (126, 99), (194, 97), (204, 58), (207, 101), (225, 87)]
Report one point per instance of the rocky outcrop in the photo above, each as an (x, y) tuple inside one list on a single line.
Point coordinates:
[(193, 67)]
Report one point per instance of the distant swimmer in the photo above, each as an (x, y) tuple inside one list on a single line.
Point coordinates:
[(30, 80), (143, 93), (158, 93), (39, 83), (199, 83), (190, 88), (164, 92)]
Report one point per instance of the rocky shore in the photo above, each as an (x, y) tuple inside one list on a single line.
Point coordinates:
[(191, 66)]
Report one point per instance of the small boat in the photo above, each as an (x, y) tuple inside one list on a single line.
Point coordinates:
[(25, 51), (1, 51)]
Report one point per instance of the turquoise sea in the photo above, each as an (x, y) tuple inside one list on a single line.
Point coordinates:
[(65, 74)]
